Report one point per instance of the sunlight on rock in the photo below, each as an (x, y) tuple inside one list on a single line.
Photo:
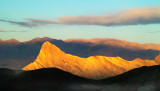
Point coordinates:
[(93, 67)]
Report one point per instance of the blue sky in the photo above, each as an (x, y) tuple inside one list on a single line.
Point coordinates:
[(65, 19)]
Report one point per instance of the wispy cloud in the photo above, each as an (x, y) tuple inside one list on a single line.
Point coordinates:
[(31, 22), (10, 31), (24, 24), (147, 15), (41, 21)]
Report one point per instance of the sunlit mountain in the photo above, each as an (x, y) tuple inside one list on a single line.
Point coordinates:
[(93, 67), (15, 54)]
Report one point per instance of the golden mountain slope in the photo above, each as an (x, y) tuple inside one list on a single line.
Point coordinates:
[(94, 67)]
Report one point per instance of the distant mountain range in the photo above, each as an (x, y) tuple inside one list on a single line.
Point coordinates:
[(93, 67), (16, 55), (74, 65), (115, 42), (52, 79)]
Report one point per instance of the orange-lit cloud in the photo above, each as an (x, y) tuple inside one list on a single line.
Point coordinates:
[(147, 15)]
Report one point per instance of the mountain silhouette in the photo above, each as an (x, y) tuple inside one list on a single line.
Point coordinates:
[(9, 42), (93, 67), (116, 42), (16, 55), (53, 79)]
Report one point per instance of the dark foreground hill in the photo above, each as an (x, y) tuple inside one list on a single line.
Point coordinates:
[(52, 79)]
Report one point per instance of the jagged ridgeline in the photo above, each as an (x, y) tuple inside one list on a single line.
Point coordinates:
[(93, 67)]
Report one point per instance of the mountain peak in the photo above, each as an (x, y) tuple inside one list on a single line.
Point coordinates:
[(93, 67), (38, 39), (12, 41), (47, 45), (1, 41), (49, 54), (116, 42)]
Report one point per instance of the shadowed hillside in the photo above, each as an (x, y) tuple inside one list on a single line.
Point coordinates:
[(52, 79)]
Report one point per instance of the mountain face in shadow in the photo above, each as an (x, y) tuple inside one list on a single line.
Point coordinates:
[(93, 67), (15, 54), (52, 79)]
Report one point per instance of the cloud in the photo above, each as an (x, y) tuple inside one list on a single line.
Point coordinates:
[(41, 21), (24, 24), (147, 15), (31, 23), (10, 31)]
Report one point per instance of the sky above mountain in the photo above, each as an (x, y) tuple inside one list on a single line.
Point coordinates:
[(131, 20)]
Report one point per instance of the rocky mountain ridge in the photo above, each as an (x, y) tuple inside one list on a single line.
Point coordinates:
[(93, 67)]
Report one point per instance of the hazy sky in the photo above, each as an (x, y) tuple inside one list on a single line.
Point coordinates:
[(131, 20)]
